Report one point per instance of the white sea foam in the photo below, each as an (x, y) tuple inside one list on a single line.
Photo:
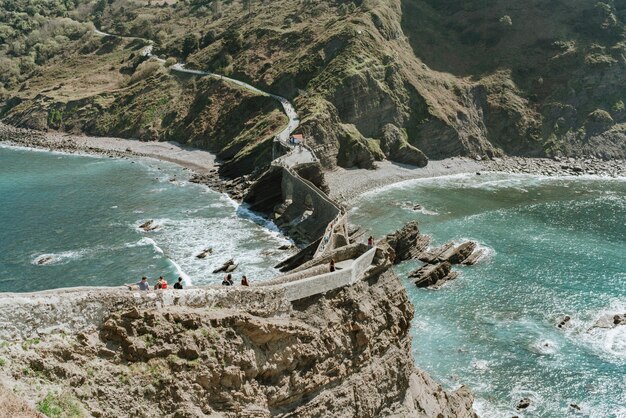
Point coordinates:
[(544, 347), (609, 343), (64, 257), (229, 237)]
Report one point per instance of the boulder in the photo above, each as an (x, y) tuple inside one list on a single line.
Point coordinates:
[(227, 267), (204, 253), (523, 403), (434, 275), (564, 321), (149, 226), (396, 147), (45, 260)]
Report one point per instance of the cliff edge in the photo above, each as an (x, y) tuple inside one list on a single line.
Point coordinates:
[(223, 352)]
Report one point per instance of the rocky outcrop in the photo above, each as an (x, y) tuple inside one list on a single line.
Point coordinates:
[(433, 275), (397, 148), (406, 244), (345, 353), (228, 267), (610, 321), (464, 253)]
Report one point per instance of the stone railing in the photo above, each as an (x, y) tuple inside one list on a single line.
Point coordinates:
[(319, 284), (72, 310), (326, 244)]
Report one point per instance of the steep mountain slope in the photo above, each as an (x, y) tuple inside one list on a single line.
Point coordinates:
[(373, 79)]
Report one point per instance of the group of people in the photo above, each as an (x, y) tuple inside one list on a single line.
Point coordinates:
[(228, 280), (161, 284)]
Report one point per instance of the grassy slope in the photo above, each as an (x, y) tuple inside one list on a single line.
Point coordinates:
[(458, 77)]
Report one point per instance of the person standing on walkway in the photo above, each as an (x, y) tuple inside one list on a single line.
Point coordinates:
[(332, 265), (370, 241), (179, 284)]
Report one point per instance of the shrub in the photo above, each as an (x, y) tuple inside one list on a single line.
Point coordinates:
[(144, 70), (59, 406)]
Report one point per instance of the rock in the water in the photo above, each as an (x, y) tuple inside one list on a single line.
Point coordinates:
[(434, 275), (564, 321), (205, 253), (473, 257), (285, 247), (433, 255), (523, 403), (227, 267), (459, 254), (610, 321), (45, 260), (149, 226)]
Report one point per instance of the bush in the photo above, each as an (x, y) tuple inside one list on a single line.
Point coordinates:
[(144, 70), (59, 406)]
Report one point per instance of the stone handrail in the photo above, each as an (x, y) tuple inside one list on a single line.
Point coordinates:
[(326, 242), (315, 285)]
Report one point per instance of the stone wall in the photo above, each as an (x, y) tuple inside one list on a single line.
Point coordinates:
[(25, 316), (304, 288)]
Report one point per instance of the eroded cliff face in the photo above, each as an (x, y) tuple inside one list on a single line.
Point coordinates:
[(342, 354)]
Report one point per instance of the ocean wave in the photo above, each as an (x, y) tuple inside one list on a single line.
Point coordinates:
[(607, 342), (64, 257), (181, 240), (544, 347)]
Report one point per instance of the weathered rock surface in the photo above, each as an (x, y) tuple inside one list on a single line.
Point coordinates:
[(345, 353), (454, 254), (227, 267), (434, 275), (407, 243)]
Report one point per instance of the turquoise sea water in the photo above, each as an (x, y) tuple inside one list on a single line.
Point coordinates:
[(84, 212), (556, 247)]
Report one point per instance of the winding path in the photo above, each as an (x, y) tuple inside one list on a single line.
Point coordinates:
[(294, 157)]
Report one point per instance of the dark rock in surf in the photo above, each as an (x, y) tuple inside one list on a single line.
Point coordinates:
[(149, 226), (227, 267), (202, 255), (523, 403), (564, 321)]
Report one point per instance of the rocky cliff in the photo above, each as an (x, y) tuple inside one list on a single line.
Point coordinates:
[(345, 353)]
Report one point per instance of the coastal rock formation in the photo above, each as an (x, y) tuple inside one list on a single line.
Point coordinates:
[(345, 353), (204, 253), (610, 321), (149, 226), (228, 267), (407, 243), (454, 254), (434, 275)]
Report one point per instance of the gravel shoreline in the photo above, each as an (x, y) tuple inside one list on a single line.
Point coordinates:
[(203, 164), (345, 184), (348, 185)]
